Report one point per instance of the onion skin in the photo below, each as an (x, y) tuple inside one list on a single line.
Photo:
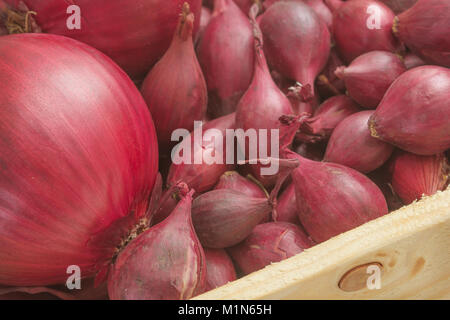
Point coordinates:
[(370, 75), (175, 89), (414, 113), (333, 199), (226, 55), (205, 18), (232, 180), (219, 268), (327, 83), (268, 243), (326, 118), (352, 145), (352, 35), (78, 154), (296, 41), (412, 61), (223, 218), (166, 262), (424, 29), (134, 36), (287, 206), (203, 177), (414, 176)]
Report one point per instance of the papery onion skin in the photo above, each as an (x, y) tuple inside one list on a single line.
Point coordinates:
[(219, 268), (296, 41), (175, 89), (333, 199), (414, 112), (268, 243), (352, 34), (78, 156), (414, 176), (226, 55), (352, 145), (135, 35), (369, 76), (166, 262), (424, 29)]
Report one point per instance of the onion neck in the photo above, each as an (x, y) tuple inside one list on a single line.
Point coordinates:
[(185, 24), (18, 21)]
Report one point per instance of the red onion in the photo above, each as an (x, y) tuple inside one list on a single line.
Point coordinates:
[(135, 36), (414, 176), (205, 18), (328, 84), (232, 180), (226, 55), (168, 201), (363, 26), (352, 145), (219, 268), (414, 113), (287, 206), (175, 90), (268, 243), (413, 61), (78, 155), (369, 76), (166, 262), (262, 105), (333, 199), (424, 29), (296, 42), (399, 6), (333, 5), (202, 177), (326, 118), (322, 10)]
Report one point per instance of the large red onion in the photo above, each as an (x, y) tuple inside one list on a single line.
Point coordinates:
[(424, 29), (333, 199), (78, 157), (226, 55), (134, 34), (369, 76), (296, 42), (352, 145), (175, 89), (413, 176), (363, 26), (414, 113), (166, 262), (203, 176), (268, 243)]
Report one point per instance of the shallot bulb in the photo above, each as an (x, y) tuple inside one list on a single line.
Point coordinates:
[(232, 180), (219, 268), (202, 176), (414, 112), (424, 29), (296, 42), (363, 26), (287, 206), (226, 55), (205, 18), (369, 76), (332, 198), (166, 262), (328, 84), (352, 145), (175, 89), (268, 243), (414, 176), (326, 118)]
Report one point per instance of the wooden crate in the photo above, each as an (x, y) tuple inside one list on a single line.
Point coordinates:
[(411, 247)]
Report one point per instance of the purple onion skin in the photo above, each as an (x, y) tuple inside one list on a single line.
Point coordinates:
[(352, 35), (226, 55), (333, 199), (412, 61), (352, 145), (203, 177), (414, 114), (223, 218), (232, 180), (287, 206), (296, 41), (166, 262), (219, 268), (370, 75), (424, 29), (268, 243)]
